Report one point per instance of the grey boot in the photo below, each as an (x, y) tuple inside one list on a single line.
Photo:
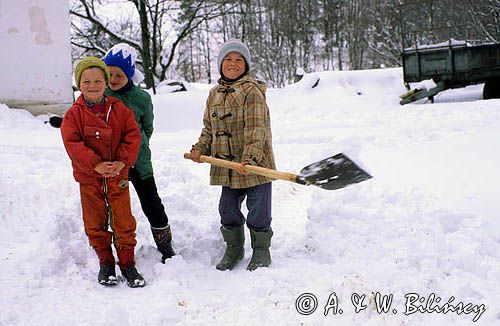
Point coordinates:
[(163, 240), (235, 239), (261, 241)]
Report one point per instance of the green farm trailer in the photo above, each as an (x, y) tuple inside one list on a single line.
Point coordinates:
[(450, 64)]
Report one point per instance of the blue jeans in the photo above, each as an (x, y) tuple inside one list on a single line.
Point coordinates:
[(258, 204)]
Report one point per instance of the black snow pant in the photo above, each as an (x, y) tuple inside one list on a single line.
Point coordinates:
[(150, 201)]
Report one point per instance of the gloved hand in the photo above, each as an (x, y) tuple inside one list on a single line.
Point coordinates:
[(55, 121)]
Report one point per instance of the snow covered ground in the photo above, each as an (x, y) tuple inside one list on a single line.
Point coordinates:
[(427, 223)]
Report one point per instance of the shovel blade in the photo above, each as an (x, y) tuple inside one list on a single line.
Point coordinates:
[(333, 173)]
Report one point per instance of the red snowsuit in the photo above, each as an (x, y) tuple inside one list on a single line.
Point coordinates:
[(90, 140)]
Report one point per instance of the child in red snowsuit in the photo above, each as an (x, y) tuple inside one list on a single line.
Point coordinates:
[(102, 139)]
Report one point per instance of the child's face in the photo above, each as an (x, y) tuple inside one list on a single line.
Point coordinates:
[(93, 84), (233, 65), (118, 78)]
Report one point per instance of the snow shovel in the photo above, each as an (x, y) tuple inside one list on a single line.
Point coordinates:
[(332, 173)]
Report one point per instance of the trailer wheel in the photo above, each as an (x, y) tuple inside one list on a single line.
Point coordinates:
[(491, 89)]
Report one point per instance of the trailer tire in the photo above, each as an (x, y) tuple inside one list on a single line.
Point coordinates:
[(491, 89)]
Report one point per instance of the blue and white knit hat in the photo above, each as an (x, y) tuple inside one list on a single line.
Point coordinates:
[(233, 45), (124, 56)]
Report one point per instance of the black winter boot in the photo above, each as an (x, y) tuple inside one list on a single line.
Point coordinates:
[(261, 241), (126, 260), (235, 239), (107, 275), (163, 240), (134, 279)]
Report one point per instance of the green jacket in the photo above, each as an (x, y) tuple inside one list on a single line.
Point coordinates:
[(140, 102), (237, 127)]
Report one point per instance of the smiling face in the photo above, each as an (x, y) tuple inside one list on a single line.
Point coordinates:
[(118, 78), (93, 84), (233, 65)]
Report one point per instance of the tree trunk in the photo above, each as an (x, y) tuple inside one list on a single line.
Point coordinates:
[(145, 51)]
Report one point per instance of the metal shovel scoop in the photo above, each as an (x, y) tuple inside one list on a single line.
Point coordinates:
[(331, 173)]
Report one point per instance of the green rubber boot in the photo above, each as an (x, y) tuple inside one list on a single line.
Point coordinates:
[(235, 239), (261, 241)]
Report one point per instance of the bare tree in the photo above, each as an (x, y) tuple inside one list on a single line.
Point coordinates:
[(156, 43), (384, 36), (178, 36)]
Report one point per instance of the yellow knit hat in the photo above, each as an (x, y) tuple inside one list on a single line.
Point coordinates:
[(89, 62)]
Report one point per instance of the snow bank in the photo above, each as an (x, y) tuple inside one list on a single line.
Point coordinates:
[(426, 223)]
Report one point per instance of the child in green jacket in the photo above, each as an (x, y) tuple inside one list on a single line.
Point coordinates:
[(121, 60)]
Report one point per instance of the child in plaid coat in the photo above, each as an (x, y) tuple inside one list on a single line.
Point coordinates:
[(237, 128)]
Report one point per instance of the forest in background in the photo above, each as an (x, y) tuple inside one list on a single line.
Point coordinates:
[(179, 39)]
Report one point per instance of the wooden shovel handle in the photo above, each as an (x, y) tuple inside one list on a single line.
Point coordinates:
[(270, 173)]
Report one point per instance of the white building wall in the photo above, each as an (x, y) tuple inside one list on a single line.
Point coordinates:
[(35, 55)]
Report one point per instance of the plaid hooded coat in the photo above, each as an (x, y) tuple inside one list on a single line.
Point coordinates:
[(237, 127)]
